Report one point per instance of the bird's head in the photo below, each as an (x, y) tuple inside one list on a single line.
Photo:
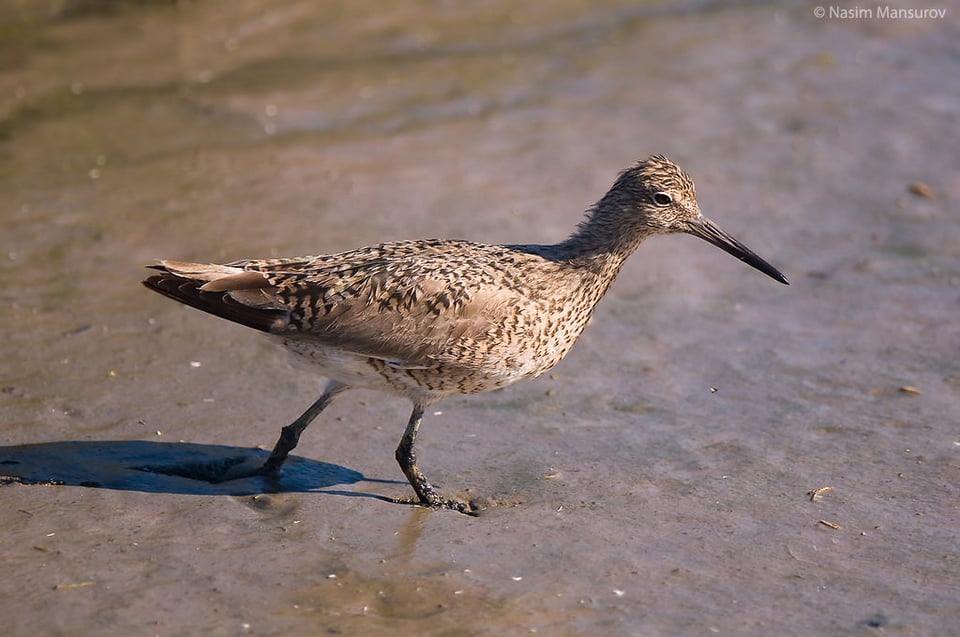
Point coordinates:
[(660, 198)]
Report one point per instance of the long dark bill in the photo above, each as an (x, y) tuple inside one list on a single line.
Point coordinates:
[(710, 232)]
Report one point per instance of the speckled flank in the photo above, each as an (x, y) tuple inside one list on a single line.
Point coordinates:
[(427, 319)]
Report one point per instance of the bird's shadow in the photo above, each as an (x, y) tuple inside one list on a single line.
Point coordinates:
[(161, 467)]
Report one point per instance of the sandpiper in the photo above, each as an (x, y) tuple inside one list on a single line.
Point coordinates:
[(427, 319)]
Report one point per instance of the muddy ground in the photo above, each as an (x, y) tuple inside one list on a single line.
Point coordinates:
[(720, 454)]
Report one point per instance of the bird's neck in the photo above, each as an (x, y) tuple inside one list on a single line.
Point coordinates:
[(594, 254), (602, 242)]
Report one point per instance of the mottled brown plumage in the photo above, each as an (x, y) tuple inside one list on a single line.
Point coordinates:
[(427, 319)]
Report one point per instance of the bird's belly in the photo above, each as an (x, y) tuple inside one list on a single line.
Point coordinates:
[(422, 382)]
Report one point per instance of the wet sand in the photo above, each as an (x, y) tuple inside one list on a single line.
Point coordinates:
[(657, 482)]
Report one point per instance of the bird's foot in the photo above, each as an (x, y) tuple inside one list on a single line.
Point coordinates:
[(268, 470), (435, 501), (248, 469)]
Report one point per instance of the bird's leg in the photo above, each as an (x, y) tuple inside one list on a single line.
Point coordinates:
[(290, 435), (407, 458)]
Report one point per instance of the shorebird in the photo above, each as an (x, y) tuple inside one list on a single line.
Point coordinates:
[(431, 318)]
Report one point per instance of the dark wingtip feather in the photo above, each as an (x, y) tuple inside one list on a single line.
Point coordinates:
[(187, 291)]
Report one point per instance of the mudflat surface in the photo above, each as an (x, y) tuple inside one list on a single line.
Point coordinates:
[(657, 482)]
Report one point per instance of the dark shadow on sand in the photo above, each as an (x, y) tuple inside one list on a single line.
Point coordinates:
[(161, 467)]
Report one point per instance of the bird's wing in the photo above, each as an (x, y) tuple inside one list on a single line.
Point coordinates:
[(403, 303)]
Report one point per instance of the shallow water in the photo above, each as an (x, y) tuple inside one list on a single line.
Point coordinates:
[(656, 482)]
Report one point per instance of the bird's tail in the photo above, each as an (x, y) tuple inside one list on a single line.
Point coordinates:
[(226, 291)]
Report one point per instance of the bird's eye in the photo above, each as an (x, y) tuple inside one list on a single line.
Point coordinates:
[(662, 199)]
